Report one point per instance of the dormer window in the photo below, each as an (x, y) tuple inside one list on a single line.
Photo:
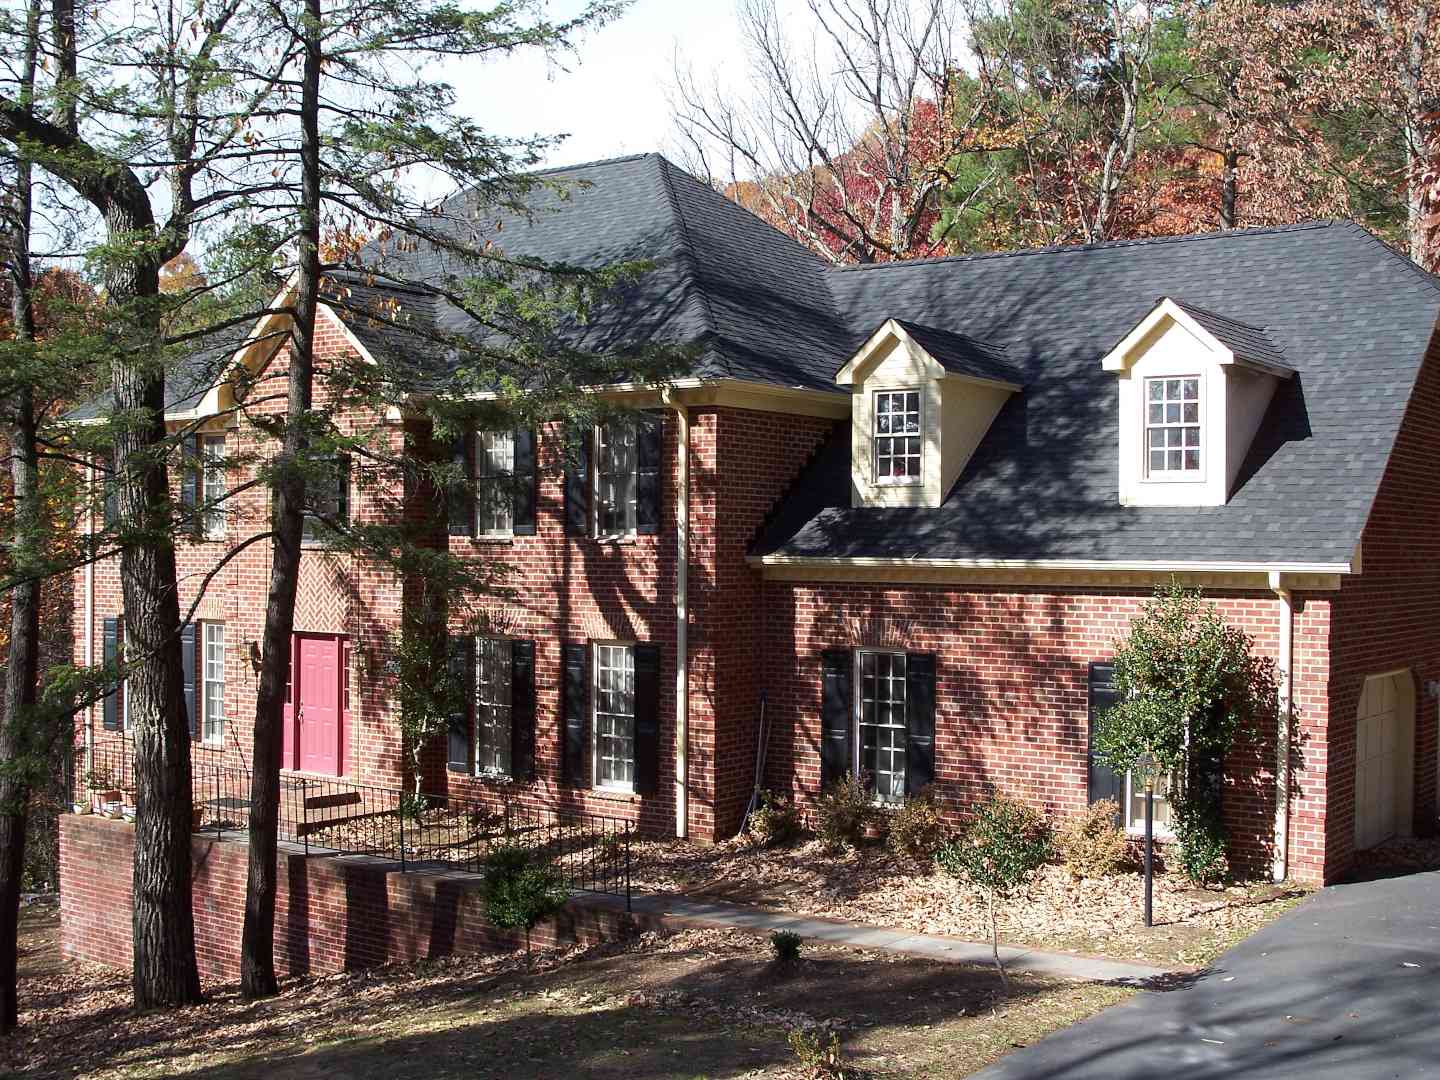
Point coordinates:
[(1172, 427), (1193, 388), (899, 435)]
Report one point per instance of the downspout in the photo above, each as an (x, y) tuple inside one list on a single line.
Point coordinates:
[(1281, 864), (90, 629), (682, 620)]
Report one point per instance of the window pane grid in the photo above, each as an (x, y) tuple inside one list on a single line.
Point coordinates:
[(897, 434), (614, 716), (1172, 425), (212, 491), (213, 676), (1135, 798), (882, 723), (492, 706), (494, 468), (615, 457)]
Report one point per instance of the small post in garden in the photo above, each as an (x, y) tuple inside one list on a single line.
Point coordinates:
[(1145, 767)]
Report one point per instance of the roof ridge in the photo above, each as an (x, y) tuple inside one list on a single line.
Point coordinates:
[(1064, 249), (1190, 305), (594, 164), (687, 248)]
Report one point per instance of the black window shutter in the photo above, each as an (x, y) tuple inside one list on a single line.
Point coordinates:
[(111, 645), (1104, 782), (342, 488), (649, 467), (522, 506), (462, 496), (836, 718), (190, 470), (187, 666), (522, 710), (577, 487), (575, 689), (461, 658), (919, 722), (647, 719)]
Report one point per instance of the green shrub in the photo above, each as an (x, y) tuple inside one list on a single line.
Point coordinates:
[(786, 945), (521, 890), (916, 829), (998, 852), (818, 1050), (1200, 842), (842, 812), (1092, 845), (775, 822)]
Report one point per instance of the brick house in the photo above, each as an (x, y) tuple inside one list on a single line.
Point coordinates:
[(911, 507)]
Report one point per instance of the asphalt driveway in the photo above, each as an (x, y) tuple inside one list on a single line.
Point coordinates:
[(1345, 986)]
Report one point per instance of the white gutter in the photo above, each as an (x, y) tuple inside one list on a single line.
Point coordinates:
[(1281, 864), (682, 622)]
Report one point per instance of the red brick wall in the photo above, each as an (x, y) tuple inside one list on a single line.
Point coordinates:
[(330, 914), (1011, 693), (1387, 618)]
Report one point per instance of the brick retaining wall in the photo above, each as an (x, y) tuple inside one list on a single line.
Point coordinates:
[(331, 914)]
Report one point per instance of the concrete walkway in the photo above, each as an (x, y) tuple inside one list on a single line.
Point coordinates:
[(682, 911), (1345, 987)]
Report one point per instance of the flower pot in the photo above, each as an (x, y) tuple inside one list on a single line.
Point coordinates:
[(101, 800), (874, 832)]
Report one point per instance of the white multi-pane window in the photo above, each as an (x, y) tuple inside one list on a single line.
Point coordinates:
[(1172, 426), (898, 432), (1135, 805), (615, 478), (213, 682), (492, 707), (881, 723), (212, 485), (494, 472), (615, 717)]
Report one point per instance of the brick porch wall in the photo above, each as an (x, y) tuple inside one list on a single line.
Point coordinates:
[(330, 914), (1011, 694)]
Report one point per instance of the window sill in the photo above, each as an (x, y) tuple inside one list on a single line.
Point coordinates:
[(625, 538), (1137, 832), (917, 481), (493, 777), (493, 538), (614, 795)]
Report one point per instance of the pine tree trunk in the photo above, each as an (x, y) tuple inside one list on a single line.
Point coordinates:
[(257, 946), (163, 924), (22, 667)]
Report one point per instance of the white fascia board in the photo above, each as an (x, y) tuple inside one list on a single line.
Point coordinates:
[(1195, 567), (1117, 359), (976, 380), (889, 329)]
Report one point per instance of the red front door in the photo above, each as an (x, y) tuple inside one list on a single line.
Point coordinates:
[(314, 733)]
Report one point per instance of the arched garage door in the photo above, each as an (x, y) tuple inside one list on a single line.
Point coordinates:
[(1384, 745)]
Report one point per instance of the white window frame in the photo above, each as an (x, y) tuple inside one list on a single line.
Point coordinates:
[(1135, 826), (504, 664), (857, 764), (876, 436), (123, 685), (212, 485), (205, 681), (596, 652), (1182, 475), (632, 477), (494, 517)]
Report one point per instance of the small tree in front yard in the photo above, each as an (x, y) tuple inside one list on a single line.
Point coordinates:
[(1189, 686), (521, 890), (997, 853)]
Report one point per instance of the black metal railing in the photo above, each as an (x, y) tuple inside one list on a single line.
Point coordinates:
[(335, 816)]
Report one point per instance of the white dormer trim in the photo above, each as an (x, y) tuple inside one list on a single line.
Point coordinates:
[(1234, 393), (1131, 345), (856, 368)]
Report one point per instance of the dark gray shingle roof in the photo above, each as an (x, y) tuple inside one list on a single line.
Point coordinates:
[(964, 355), (1350, 314), (1244, 340)]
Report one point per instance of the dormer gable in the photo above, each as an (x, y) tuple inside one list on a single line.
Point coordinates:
[(922, 399), (1193, 388)]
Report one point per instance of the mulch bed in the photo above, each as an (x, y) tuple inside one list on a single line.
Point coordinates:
[(1094, 915)]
